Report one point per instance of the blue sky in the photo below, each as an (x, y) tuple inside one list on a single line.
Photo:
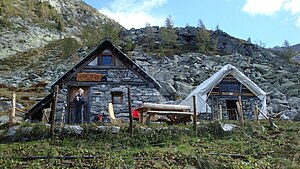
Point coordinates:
[(267, 21)]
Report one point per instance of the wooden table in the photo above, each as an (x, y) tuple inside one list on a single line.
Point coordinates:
[(174, 114)]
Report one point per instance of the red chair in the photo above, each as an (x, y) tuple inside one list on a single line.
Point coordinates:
[(135, 114)]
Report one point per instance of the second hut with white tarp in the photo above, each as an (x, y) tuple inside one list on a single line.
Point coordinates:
[(220, 95)]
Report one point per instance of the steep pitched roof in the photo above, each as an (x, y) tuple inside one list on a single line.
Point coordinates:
[(203, 89), (118, 54), (39, 106)]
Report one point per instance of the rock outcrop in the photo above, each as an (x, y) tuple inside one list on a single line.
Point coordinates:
[(26, 28)]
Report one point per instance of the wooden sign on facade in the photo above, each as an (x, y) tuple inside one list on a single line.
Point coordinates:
[(89, 77)]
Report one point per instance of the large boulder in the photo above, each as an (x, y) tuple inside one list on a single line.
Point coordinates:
[(288, 114), (292, 92), (6, 105), (4, 119), (167, 88), (294, 102), (284, 87), (12, 131), (183, 89), (296, 59), (112, 129), (73, 130), (297, 117), (263, 69)]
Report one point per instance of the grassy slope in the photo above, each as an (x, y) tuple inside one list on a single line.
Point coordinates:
[(252, 146)]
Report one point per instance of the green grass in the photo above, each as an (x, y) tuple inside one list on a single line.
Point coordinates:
[(250, 146)]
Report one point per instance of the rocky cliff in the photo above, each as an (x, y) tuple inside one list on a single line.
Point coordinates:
[(180, 74), (28, 24)]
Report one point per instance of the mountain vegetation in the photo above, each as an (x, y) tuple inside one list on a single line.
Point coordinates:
[(205, 42), (155, 146), (287, 51)]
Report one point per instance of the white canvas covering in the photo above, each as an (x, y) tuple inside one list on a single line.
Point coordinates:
[(203, 89)]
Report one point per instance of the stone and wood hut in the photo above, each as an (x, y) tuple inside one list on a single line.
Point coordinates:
[(220, 93), (104, 75)]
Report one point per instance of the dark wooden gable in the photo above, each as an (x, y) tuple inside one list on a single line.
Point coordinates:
[(229, 85), (107, 45), (35, 112)]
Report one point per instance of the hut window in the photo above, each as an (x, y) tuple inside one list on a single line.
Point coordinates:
[(106, 60), (117, 97)]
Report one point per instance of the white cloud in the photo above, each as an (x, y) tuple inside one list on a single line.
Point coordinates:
[(270, 7), (298, 22), (135, 13), (263, 7), (293, 6)]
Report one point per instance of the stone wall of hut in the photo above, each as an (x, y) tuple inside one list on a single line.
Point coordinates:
[(248, 104), (116, 80)]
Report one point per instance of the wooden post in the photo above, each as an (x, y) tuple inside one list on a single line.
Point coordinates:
[(241, 109), (63, 115), (241, 105), (212, 109), (195, 115), (221, 112), (272, 124), (241, 117), (206, 111), (53, 110), (129, 110), (12, 115), (256, 114)]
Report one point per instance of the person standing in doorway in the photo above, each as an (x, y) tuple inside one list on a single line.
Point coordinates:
[(79, 109)]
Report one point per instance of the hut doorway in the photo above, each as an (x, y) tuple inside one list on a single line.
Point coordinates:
[(231, 109), (73, 91)]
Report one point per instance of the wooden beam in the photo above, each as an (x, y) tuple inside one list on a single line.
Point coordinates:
[(12, 115), (256, 113), (74, 83), (206, 111), (195, 115), (212, 108), (241, 106), (220, 113), (272, 124), (129, 110), (166, 107), (231, 94), (239, 109), (53, 111), (169, 112)]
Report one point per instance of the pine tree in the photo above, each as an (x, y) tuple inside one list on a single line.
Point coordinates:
[(287, 53), (30, 5), (286, 44), (203, 38), (129, 46), (43, 10), (110, 31), (6, 11), (150, 35), (60, 24), (249, 40), (168, 33), (218, 28), (7, 8), (201, 24), (205, 43)]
